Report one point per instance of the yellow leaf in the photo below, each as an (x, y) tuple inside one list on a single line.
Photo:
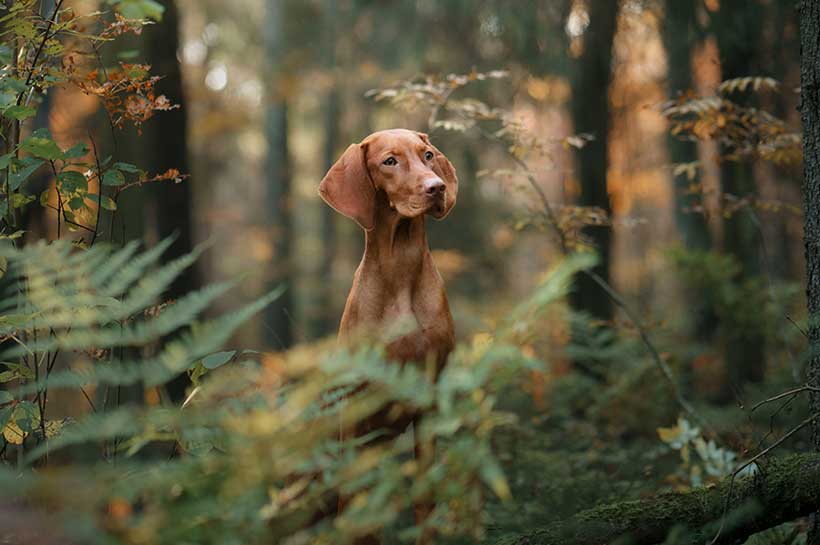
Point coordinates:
[(668, 435), (13, 434)]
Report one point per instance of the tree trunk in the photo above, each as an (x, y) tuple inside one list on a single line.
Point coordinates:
[(590, 114), (326, 320), (278, 326), (783, 490), (737, 32), (170, 205), (809, 16), (680, 34)]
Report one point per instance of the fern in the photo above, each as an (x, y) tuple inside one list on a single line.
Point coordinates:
[(258, 453)]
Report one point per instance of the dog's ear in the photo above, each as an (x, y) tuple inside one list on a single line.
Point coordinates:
[(447, 172), (348, 189)]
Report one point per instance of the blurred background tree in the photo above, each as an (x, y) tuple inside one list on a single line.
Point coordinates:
[(661, 133)]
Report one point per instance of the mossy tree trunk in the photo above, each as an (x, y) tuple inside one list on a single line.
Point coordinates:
[(809, 16), (785, 489)]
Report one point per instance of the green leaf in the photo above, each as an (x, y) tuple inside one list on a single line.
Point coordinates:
[(19, 112), (26, 416), (19, 200), (218, 359), (71, 181), (126, 167), (25, 168), (45, 148), (5, 397), (104, 201), (16, 85), (75, 203), (13, 236), (16, 371), (113, 177), (108, 203), (140, 9), (493, 477), (5, 160), (76, 151)]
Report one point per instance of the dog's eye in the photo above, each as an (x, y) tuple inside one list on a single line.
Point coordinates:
[(390, 161), (428, 155)]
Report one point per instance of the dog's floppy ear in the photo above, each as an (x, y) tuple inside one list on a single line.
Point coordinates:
[(447, 172), (348, 189)]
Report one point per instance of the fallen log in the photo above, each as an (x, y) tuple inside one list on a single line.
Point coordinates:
[(783, 489)]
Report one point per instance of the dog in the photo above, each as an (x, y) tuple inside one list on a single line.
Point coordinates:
[(388, 183)]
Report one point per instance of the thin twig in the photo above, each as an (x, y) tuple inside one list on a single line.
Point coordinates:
[(800, 329), (37, 53), (87, 398), (752, 460), (793, 391), (99, 189), (608, 289)]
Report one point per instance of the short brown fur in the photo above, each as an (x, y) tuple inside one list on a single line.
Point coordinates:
[(397, 296)]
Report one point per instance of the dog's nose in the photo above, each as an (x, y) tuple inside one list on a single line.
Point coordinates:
[(434, 187)]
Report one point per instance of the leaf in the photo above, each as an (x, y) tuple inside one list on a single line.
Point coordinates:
[(218, 359), (76, 151), (25, 168), (19, 112), (492, 475), (53, 427), (15, 371), (5, 397), (113, 177), (5, 160), (127, 55), (19, 200), (108, 203), (13, 434), (140, 9), (26, 416), (105, 201), (71, 181), (126, 167), (44, 148)]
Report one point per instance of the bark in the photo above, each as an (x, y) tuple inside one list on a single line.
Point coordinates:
[(785, 489), (277, 323), (680, 34), (327, 321), (591, 114), (809, 17), (738, 29), (170, 205)]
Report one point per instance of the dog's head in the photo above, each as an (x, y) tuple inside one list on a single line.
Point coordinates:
[(414, 175)]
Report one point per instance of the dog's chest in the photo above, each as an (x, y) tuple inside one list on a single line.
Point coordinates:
[(413, 323)]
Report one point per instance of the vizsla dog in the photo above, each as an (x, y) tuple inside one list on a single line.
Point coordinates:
[(388, 183)]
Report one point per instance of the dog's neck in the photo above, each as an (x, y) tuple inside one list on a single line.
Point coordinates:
[(396, 246)]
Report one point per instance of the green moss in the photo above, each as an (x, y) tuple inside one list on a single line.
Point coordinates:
[(784, 489)]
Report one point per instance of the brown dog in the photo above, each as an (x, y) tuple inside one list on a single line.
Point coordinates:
[(387, 184)]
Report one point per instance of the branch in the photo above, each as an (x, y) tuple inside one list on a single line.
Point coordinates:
[(784, 490)]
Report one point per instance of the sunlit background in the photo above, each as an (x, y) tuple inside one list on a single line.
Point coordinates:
[(272, 92)]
